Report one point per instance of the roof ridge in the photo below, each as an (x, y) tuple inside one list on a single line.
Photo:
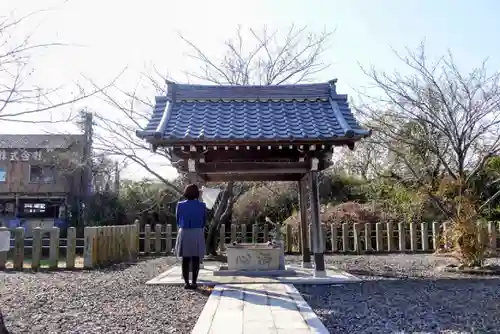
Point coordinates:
[(177, 91), (183, 85)]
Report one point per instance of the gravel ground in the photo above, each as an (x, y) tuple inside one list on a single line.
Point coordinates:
[(105, 301), (405, 294)]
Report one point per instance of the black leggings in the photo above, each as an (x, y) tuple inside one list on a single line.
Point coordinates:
[(193, 261)]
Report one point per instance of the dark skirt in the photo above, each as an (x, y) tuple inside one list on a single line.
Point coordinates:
[(190, 242)]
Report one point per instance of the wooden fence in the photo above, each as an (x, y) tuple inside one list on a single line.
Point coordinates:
[(102, 246), (344, 239)]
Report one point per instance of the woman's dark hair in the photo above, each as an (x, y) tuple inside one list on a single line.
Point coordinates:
[(191, 192)]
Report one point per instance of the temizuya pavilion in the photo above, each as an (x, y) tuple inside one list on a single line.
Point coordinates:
[(257, 133)]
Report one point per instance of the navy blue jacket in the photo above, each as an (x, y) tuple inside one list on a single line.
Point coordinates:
[(191, 214)]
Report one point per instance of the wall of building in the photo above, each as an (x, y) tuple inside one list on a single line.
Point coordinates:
[(59, 175)]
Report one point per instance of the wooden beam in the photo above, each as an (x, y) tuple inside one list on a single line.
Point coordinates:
[(257, 171), (251, 177)]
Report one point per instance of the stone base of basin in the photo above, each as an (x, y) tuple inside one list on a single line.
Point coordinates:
[(224, 271)]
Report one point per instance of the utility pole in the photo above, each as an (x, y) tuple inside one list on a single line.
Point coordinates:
[(86, 185), (117, 179)]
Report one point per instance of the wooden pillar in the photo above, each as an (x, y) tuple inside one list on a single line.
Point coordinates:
[(304, 228), (311, 179)]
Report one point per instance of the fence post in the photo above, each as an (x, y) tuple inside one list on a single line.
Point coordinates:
[(334, 237), (158, 229), (289, 239), (402, 236), (492, 233), (70, 248), (266, 233), (36, 249), (413, 237), (234, 233), (119, 245), (168, 242), (88, 250), (116, 244), (368, 237), (129, 245), (147, 239), (425, 236), (435, 236), (255, 231), (390, 236), (3, 255), (131, 241), (138, 236), (101, 246), (126, 248), (324, 236), (378, 237), (357, 241), (243, 233), (18, 248), (111, 246), (54, 248), (126, 240), (108, 233), (121, 256), (222, 237), (345, 237), (104, 246), (97, 245)]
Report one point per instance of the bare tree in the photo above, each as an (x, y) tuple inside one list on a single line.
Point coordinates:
[(367, 161), (114, 135), (439, 124), (20, 97), (263, 57)]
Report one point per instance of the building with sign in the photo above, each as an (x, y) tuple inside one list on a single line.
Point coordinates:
[(39, 176)]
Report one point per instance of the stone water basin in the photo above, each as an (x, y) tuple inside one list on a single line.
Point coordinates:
[(253, 257)]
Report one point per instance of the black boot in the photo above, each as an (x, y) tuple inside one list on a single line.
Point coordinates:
[(185, 271)]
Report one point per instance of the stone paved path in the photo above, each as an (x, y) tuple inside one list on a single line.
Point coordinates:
[(257, 308)]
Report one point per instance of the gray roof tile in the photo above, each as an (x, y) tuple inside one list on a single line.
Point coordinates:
[(190, 113)]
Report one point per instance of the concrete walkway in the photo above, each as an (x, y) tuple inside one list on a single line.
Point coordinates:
[(206, 277), (257, 308)]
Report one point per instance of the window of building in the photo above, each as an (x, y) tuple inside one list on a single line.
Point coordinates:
[(34, 207), (3, 175), (42, 174)]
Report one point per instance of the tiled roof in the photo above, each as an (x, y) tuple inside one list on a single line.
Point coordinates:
[(36, 141), (203, 113)]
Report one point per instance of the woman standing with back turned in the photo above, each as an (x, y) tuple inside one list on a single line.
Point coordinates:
[(191, 216)]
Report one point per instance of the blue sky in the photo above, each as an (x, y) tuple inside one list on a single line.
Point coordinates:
[(112, 34)]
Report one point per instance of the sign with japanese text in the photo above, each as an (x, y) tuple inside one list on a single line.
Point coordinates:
[(20, 155)]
